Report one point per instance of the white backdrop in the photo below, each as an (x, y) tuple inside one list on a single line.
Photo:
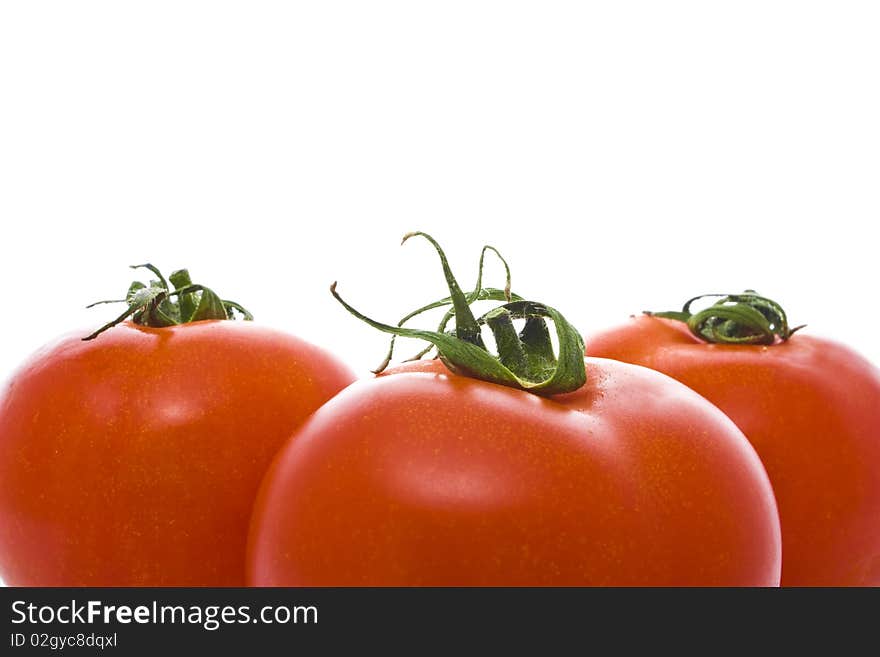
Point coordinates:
[(622, 155)]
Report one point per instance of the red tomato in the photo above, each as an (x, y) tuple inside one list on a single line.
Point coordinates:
[(423, 477), (134, 459), (811, 408)]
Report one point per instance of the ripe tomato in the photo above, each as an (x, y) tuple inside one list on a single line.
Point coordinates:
[(811, 408), (134, 459), (424, 477)]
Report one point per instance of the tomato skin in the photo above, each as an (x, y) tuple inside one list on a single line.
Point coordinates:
[(134, 459), (811, 408), (422, 477)]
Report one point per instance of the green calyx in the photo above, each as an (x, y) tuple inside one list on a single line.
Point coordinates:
[(160, 304), (525, 358), (746, 318)]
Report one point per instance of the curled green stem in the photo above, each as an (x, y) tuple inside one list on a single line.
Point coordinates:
[(525, 360), (746, 318), (158, 305)]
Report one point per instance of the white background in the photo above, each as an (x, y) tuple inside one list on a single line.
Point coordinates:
[(622, 155)]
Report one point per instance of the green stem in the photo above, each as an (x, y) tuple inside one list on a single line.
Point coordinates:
[(525, 360), (158, 305), (746, 318)]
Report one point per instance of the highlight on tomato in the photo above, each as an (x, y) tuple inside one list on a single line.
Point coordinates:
[(132, 457), (532, 466), (810, 406)]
